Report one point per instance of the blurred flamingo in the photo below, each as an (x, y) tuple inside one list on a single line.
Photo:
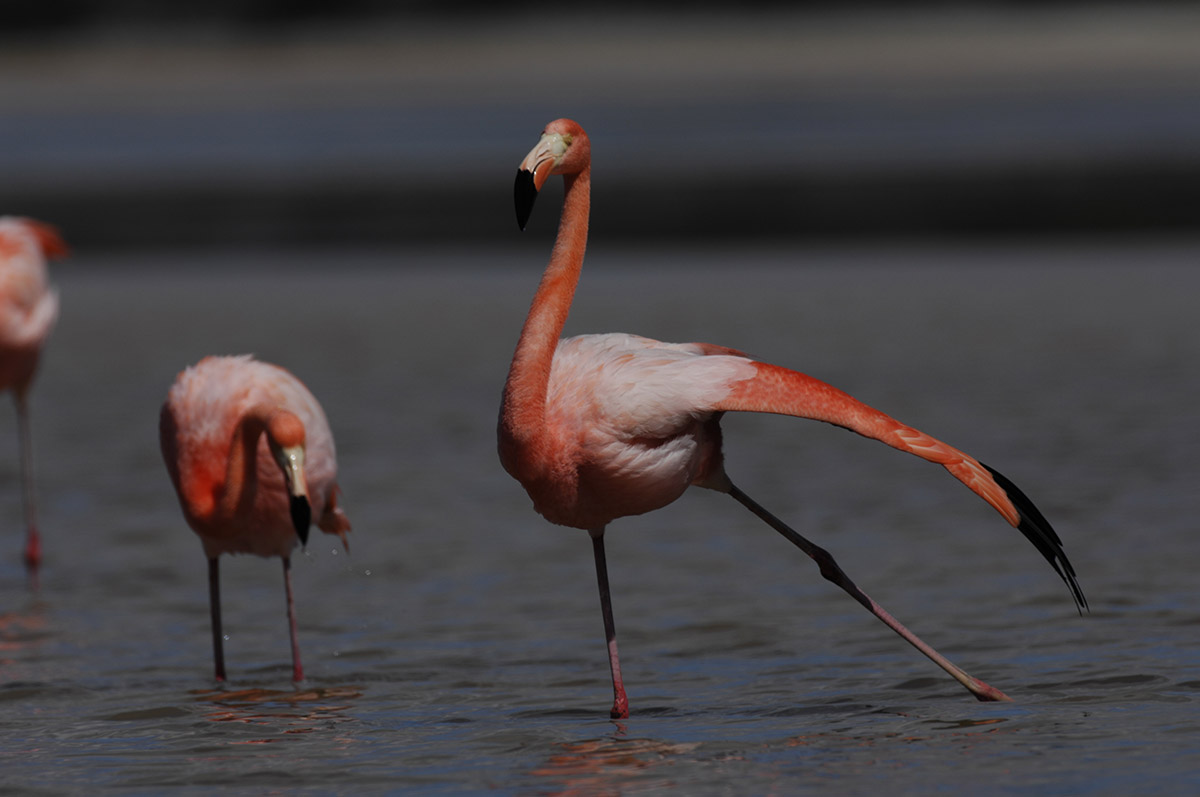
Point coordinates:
[(28, 310), (598, 427), (251, 456)]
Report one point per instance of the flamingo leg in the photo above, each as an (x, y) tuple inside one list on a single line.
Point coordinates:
[(33, 542), (832, 572), (620, 708), (214, 609), (297, 668)]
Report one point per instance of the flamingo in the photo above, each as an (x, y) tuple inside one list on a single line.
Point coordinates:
[(250, 454), (598, 427), (28, 310)]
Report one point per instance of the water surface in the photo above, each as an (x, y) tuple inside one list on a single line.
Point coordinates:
[(458, 647)]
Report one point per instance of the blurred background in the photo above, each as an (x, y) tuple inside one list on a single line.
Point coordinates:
[(133, 123)]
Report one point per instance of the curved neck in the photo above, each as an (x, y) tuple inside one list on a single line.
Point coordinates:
[(524, 408), (241, 470)]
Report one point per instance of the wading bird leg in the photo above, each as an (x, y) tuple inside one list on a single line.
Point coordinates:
[(620, 708), (832, 572), (297, 669), (33, 541), (214, 610)]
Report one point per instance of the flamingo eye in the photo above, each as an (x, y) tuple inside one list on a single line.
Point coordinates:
[(558, 145)]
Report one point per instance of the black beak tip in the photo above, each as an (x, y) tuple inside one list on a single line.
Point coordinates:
[(524, 192), (301, 516)]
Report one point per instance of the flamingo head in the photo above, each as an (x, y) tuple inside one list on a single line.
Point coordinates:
[(18, 233), (285, 437), (563, 149)]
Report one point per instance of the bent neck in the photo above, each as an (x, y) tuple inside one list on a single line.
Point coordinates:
[(241, 471), (524, 408)]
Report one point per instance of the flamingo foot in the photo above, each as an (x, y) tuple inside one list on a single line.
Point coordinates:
[(986, 693)]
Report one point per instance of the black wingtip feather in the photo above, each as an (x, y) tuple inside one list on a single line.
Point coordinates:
[(524, 193), (1039, 531)]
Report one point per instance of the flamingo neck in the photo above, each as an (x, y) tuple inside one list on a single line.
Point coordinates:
[(241, 470), (523, 412)]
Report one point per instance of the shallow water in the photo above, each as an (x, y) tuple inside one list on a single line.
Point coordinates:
[(458, 648)]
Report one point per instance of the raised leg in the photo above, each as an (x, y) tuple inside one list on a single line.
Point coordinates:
[(33, 542), (832, 572), (620, 708), (297, 669), (214, 610)]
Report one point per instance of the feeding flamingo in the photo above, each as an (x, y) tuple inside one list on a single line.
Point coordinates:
[(28, 310), (597, 427), (251, 456)]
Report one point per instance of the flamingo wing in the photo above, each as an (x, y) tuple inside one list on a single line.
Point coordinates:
[(627, 387), (774, 389)]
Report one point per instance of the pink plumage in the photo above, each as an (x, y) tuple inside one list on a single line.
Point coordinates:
[(28, 310), (251, 457)]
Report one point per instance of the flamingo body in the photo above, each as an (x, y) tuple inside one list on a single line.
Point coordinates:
[(28, 310), (598, 427), (204, 407), (28, 304), (230, 430), (628, 427)]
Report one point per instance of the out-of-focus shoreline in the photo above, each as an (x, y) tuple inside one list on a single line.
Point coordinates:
[(1076, 120)]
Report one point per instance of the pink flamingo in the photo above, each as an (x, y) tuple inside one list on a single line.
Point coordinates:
[(251, 456), (598, 427), (28, 310)]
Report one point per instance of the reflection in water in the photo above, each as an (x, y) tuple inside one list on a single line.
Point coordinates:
[(19, 631), (612, 765), (281, 711), (604, 766)]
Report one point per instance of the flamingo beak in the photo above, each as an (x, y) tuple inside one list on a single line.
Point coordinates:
[(533, 172), (291, 460)]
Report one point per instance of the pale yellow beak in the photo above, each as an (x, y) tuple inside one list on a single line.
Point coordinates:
[(291, 461)]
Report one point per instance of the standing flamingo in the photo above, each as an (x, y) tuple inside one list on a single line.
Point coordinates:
[(251, 456), (28, 310), (598, 427)]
